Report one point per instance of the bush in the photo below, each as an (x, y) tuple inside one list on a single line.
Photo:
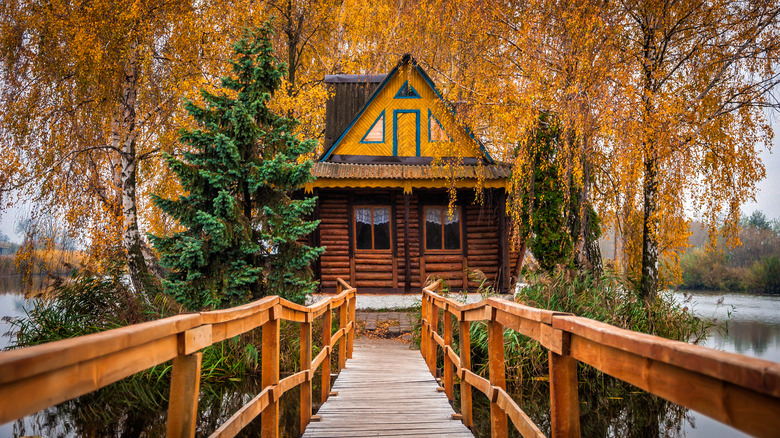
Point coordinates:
[(764, 276)]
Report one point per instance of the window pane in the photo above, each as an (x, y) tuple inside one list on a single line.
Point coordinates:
[(433, 228), (452, 230), (363, 228), (382, 228)]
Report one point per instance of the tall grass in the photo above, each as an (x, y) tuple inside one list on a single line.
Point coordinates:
[(607, 299)]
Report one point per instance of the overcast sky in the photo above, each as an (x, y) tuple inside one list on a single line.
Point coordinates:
[(767, 200)]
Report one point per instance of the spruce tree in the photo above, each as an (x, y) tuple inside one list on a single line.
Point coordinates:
[(240, 225)]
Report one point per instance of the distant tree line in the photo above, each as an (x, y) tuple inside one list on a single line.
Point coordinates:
[(753, 266)]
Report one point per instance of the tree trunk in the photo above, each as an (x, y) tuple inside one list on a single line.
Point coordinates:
[(588, 253), (142, 280), (650, 61), (519, 264), (649, 284)]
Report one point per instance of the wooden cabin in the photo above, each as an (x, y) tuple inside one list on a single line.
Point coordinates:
[(383, 203)]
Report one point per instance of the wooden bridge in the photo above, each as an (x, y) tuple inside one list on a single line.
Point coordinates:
[(383, 391)]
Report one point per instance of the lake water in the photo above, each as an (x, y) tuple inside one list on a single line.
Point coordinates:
[(12, 305), (753, 330)]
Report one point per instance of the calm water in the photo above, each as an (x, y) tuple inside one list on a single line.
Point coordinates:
[(753, 330), (12, 305)]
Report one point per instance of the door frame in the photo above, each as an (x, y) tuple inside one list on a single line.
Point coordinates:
[(416, 112)]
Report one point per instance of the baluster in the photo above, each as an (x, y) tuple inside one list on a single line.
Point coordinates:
[(351, 334), (306, 366), (499, 427), (327, 325), (564, 403), (270, 373), (465, 363), (448, 385), (183, 404), (433, 321), (424, 320), (343, 340)]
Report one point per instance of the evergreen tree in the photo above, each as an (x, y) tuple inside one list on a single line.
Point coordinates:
[(240, 224), (549, 218), (551, 244)]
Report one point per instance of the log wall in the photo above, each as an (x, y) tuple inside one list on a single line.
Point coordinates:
[(384, 271)]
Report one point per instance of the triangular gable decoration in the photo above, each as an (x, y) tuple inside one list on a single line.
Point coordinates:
[(376, 133), (407, 92), (436, 132)]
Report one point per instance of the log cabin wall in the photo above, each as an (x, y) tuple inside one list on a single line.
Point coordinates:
[(334, 236), (384, 270)]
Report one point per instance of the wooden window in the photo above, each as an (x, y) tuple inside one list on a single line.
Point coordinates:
[(372, 228), (442, 230)]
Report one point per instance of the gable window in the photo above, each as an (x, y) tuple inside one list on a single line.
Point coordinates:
[(407, 92), (372, 227), (376, 133), (442, 230)]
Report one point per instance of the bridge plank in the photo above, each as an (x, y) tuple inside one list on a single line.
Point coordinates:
[(386, 390)]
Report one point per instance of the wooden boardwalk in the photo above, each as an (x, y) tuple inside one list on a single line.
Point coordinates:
[(386, 390)]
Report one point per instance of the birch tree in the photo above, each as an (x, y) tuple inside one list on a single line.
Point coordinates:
[(88, 89), (702, 80)]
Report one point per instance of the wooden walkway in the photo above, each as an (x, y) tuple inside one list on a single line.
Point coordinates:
[(386, 390)]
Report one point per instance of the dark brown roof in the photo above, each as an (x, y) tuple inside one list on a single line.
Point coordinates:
[(351, 79), (404, 171)]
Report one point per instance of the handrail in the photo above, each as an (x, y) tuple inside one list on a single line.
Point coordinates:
[(740, 391), (37, 377)]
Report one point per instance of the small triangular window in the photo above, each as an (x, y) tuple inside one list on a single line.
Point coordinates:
[(436, 132), (407, 92), (376, 133)]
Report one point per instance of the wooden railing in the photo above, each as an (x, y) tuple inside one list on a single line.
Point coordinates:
[(37, 377), (736, 390)]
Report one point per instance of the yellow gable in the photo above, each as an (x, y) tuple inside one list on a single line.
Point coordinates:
[(406, 118)]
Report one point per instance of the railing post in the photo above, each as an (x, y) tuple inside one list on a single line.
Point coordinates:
[(327, 325), (433, 323), (270, 373), (465, 363), (448, 385), (183, 404), (564, 403), (306, 365), (351, 334), (424, 321), (499, 426), (343, 339)]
